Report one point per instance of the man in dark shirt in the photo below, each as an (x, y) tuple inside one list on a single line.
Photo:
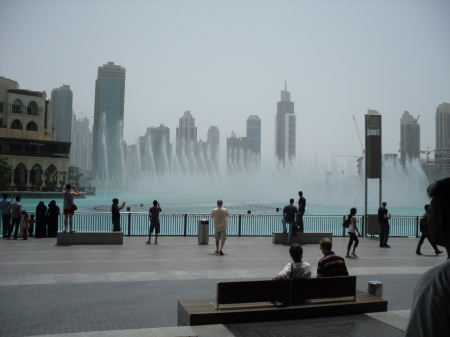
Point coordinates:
[(331, 264), (289, 212), (383, 220), (301, 210), (153, 215)]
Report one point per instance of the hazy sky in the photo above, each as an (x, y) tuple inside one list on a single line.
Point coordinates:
[(226, 60)]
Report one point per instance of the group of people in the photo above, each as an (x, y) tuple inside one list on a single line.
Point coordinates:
[(44, 224), (293, 216)]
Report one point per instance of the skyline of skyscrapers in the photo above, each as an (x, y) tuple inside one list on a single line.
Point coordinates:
[(61, 106), (409, 137), (285, 129), (108, 120)]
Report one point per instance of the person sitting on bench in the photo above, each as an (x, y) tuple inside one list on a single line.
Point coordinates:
[(295, 270)]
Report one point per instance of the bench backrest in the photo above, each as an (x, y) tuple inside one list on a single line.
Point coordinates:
[(285, 291)]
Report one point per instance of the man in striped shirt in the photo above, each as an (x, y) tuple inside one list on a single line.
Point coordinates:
[(331, 264)]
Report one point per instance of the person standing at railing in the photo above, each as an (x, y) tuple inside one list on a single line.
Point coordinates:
[(383, 220), (16, 214), (41, 220), (153, 215), (289, 213), (115, 214), (52, 219), (426, 234), (68, 194), (301, 211), (220, 215), (431, 303), (352, 227), (6, 214)]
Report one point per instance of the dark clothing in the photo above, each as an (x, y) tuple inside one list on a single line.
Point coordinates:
[(6, 223), (331, 265), (425, 234), (15, 224), (301, 204), (384, 226), (52, 220), (289, 211), (115, 213), (154, 213), (353, 238), (41, 220)]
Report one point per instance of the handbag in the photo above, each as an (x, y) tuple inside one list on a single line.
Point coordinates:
[(73, 207)]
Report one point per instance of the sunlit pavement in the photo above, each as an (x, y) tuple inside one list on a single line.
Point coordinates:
[(132, 289)]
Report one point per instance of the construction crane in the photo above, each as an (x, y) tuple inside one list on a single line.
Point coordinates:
[(359, 137)]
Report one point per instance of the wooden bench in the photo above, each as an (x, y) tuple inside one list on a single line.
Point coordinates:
[(89, 238), (270, 300), (301, 238)]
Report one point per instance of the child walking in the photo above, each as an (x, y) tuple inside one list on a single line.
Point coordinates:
[(24, 225)]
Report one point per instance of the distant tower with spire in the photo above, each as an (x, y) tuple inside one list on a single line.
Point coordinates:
[(285, 128)]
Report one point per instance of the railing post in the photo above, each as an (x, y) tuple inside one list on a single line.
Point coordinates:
[(343, 228), (417, 226), (363, 227), (129, 221), (239, 226), (185, 224)]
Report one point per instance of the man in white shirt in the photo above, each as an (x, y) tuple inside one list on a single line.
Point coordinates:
[(220, 215), (430, 313)]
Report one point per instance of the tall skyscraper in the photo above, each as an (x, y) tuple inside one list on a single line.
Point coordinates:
[(81, 148), (212, 147), (442, 131), (409, 137), (158, 140), (107, 154), (186, 136), (285, 129), (61, 106), (254, 134)]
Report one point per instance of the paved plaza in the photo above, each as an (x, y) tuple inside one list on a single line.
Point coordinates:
[(132, 289)]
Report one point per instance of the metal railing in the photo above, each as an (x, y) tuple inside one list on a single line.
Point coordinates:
[(183, 224)]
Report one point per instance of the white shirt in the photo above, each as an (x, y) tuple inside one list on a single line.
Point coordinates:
[(430, 313), (301, 270)]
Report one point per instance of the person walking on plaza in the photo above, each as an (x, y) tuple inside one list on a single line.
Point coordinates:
[(331, 264), (24, 225), (41, 220), (426, 234), (6, 214), (301, 211), (31, 225), (296, 270), (153, 215), (431, 302), (289, 213), (351, 231), (220, 215), (115, 213), (16, 214), (383, 220), (68, 194), (53, 213)]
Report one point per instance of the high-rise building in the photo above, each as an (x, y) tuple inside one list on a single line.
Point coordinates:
[(186, 136), (158, 139), (442, 132), (81, 149), (212, 147), (409, 137), (61, 106), (285, 129), (107, 154), (254, 134)]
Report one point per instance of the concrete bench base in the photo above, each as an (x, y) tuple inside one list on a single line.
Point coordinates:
[(90, 238), (301, 238)]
